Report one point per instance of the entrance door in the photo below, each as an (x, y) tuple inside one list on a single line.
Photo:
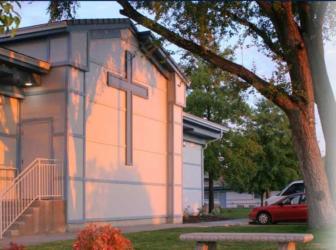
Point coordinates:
[(36, 141)]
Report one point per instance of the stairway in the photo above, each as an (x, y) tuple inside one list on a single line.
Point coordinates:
[(33, 203), (43, 216)]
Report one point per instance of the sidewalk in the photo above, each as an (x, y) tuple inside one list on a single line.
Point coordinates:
[(40, 239)]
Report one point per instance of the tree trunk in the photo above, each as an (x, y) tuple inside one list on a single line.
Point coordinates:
[(262, 199), (302, 120), (320, 205), (326, 104), (211, 193)]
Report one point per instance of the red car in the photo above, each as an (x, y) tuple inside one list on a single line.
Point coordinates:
[(290, 208)]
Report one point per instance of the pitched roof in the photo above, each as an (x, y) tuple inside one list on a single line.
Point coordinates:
[(161, 56), (201, 128)]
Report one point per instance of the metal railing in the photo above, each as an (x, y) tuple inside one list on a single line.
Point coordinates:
[(42, 179)]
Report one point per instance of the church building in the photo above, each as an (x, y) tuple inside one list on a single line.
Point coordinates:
[(91, 127)]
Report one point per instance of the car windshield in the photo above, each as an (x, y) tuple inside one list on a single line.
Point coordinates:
[(295, 188)]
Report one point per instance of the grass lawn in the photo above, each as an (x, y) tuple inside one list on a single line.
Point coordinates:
[(235, 213), (169, 239)]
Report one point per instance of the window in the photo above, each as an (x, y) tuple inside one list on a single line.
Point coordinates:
[(303, 199), (294, 200), (295, 188)]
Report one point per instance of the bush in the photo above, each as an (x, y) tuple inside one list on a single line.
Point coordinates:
[(187, 212), (216, 211), (202, 211), (106, 237)]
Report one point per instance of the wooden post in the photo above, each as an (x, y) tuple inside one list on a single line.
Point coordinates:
[(201, 245), (286, 246)]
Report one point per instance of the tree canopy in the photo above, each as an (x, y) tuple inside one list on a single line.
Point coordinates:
[(262, 148), (213, 96), (257, 150)]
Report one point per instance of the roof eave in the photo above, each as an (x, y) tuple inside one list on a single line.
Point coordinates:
[(199, 128), (35, 65), (161, 54), (189, 118), (34, 31)]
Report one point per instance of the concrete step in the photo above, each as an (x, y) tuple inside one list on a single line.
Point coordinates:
[(12, 233), (17, 225), (32, 210), (43, 216)]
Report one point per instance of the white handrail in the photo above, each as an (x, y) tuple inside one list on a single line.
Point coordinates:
[(42, 179)]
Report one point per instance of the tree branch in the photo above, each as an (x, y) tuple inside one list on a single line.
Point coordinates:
[(262, 34), (271, 92), (291, 40), (276, 19)]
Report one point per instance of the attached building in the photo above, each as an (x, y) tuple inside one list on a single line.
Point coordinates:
[(197, 133)]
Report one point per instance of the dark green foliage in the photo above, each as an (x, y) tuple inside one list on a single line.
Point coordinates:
[(213, 97), (59, 9), (260, 157), (257, 150)]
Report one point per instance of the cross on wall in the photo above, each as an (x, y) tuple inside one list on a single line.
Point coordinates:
[(126, 84)]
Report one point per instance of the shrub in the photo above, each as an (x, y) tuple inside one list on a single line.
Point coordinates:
[(187, 212), (202, 211), (106, 237), (14, 246), (216, 211)]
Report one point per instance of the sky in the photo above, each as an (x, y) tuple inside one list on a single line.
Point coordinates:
[(35, 12)]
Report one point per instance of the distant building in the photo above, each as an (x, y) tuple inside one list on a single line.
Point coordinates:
[(226, 198)]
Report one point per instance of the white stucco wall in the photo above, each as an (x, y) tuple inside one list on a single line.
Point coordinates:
[(132, 191), (9, 117), (103, 187), (48, 101), (88, 128), (192, 177)]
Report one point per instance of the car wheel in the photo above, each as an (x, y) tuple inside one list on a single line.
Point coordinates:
[(264, 218)]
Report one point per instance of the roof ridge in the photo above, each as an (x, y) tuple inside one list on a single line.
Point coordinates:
[(69, 22), (80, 21)]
